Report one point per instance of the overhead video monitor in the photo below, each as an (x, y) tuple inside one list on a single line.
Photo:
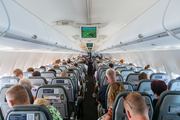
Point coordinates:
[(89, 32), (89, 49), (89, 45)]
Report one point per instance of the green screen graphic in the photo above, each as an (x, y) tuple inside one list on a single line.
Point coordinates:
[(89, 45), (88, 32), (89, 49)]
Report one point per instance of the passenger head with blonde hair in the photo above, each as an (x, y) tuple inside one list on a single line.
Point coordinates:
[(18, 73), (56, 66), (114, 90), (117, 72), (136, 108), (64, 74), (121, 61), (54, 112), (17, 95)]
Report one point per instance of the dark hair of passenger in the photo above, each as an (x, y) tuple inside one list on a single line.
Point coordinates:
[(43, 67), (17, 72), (158, 86), (58, 61), (36, 73), (30, 69), (52, 70), (142, 76), (56, 66), (130, 64), (68, 60), (76, 65)]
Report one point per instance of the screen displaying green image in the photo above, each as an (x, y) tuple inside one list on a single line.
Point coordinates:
[(89, 45), (89, 49), (88, 32)]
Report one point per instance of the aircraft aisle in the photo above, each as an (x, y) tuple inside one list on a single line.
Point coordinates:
[(90, 109)]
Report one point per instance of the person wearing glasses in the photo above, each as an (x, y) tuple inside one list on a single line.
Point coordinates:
[(114, 90), (135, 106)]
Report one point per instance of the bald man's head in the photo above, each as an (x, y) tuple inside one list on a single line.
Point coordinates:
[(64, 74), (136, 106), (110, 75), (72, 67), (17, 95)]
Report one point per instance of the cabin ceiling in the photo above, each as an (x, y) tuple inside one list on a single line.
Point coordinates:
[(110, 15)]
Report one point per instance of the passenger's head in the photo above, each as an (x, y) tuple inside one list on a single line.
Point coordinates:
[(56, 66), (58, 61), (100, 64), (133, 68), (114, 90), (147, 67), (18, 73), (76, 65), (110, 75), (64, 74), (72, 67), (121, 61), (36, 73), (40, 101), (111, 65), (52, 70), (64, 63), (117, 72), (17, 95), (136, 108), (158, 86), (142, 76), (30, 69), (43, 67), (26, 81), (130, 64)]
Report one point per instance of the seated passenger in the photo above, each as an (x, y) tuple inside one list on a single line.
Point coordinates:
[(72, 67), (43, 67), (147, 67), (96, 85), (27, 82), (36, 73), (142, 76), (130, 64), (30, 69), (69, 60), (158, 86), (65, 74), (121, 61), (56, 66), (111, 66), (76, 65), (58, 61), (117, 72), (64, 63), (133, 68), (52, 70), (114, 90), (135, 106), (18, 73), (110, 77), (17, 95), (54, 112)]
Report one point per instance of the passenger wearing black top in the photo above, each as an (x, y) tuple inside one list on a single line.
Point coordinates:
[(157, 86), (111, 66), (110, 77)]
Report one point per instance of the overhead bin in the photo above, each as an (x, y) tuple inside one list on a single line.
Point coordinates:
[(3, 19), (23, 23), (172, 16), (148, 24)]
